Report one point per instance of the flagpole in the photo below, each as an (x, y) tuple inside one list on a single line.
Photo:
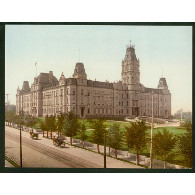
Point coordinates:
[(36, 68)]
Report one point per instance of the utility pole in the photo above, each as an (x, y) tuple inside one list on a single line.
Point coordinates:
[(151, 160), (20, 145), (109, 138), (105, 150), (20, 117)]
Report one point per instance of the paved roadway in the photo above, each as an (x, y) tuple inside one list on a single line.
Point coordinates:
[(42, 153)]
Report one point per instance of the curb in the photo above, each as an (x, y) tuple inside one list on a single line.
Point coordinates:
[(11, 161)]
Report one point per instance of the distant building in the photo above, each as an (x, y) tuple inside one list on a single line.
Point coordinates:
[(86, 98)]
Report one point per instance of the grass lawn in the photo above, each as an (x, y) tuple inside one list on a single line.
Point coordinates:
[(177, 131), (39, 120), (178, 158)]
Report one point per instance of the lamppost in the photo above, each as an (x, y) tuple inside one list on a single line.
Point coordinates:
[(109, 145), (151, 160), (105, 150), (20, 122)]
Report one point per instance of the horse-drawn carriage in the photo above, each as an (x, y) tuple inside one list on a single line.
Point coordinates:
[(34, 135), (58, 141)]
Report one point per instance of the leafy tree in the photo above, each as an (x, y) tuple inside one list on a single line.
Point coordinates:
[(42, 126), (20, 119), (98, 133), (47, 125), (10, 112), (163, 144), (82, 132), (52, 125), (136, 137), (185, 144), (71, 125), (10, 117), (60, 123), (30, 120), (115, 137)]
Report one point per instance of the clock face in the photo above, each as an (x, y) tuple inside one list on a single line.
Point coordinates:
[(161, 82)]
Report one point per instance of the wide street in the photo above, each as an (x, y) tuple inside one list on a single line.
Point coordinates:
[(42, 153)]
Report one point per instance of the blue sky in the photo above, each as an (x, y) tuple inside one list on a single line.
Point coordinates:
[(163, 50)]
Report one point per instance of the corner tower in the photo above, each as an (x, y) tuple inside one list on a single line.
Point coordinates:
[(79, 71), (130, 74)]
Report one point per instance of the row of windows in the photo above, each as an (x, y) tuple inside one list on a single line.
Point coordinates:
[(53, 102), (149, 97), (121, 103), (33, 104), (120, 111), (103, 111), (53, 93), (149, 112), (52, 110)]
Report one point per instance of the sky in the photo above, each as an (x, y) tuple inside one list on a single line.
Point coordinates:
[(162, 50)]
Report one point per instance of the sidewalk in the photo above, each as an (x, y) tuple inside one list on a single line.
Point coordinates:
[(79, 152)]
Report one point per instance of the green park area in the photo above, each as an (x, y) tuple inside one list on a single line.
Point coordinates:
[(176, 156), (121, 135)]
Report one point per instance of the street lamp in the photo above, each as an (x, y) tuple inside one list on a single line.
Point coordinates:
[(151, 160), (20, 122), (105, 149)]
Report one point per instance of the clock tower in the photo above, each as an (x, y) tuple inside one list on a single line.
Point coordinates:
[(130, 69)]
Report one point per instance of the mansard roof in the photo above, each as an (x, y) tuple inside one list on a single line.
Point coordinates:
[(45, 78), (99, 84), (50, 85), (79, 71), (25, 87), (154, 90), (162, 82)]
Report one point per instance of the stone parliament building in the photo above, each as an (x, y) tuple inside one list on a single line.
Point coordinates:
[(87, 99)]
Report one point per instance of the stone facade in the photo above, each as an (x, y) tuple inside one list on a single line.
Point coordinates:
[(87, 98)]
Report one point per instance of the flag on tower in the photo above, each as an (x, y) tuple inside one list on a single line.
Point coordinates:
[(35, 63)]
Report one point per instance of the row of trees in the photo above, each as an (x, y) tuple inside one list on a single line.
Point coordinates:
[(135, 135), (23, 119), (164, 142)]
